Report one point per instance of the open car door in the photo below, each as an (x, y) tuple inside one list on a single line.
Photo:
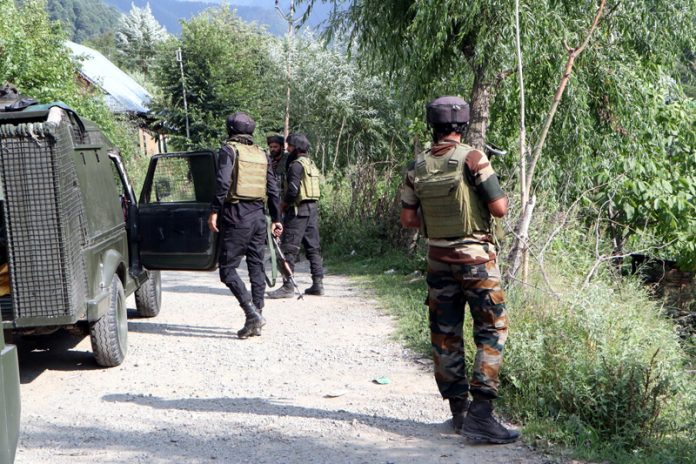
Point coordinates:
[(173, 212)]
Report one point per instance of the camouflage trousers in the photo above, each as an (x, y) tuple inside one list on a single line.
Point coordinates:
[(450, 288)]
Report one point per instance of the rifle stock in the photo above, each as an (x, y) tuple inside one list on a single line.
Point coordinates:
[(285, 268)]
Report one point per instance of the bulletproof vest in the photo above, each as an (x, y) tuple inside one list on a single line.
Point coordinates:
[(309, 184), (450, 205), (249, 173)]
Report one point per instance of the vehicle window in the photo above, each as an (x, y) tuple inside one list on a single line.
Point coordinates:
[(173, 181)]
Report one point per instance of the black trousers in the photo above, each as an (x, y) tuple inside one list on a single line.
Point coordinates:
[(246, 237), (303, 231)]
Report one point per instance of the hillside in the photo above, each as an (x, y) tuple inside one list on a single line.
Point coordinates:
[(83, 19), (169, 12)]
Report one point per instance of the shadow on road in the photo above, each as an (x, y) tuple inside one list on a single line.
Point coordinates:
[(54, 352), (264, 407), (202, 289), (166, 443), (180, 330)]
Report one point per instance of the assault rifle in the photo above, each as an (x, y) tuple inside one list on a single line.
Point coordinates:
[(285, 268)]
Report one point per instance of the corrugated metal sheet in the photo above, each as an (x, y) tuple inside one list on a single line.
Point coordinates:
[(122, 93)]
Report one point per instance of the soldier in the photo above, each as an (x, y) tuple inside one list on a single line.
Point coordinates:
[(245, 181), (279, 157), (458, 193), (301, 221)]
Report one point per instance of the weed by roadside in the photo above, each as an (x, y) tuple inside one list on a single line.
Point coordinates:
[(599, 372)]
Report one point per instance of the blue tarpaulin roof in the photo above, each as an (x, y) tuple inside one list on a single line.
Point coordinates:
[(122, 93)]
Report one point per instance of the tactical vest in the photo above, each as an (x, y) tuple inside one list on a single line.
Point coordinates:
[(309, 184), (451, 206), (249, 173)]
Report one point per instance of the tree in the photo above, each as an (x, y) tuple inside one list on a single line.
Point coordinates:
[(467, 47), (33, 56), (348, 113), (83, 19), (227, 68), (137, 37)]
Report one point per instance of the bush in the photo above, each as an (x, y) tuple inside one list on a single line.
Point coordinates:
[(599, 369), (360, 212), (602, 362)]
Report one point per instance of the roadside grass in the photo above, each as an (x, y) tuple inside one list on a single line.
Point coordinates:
[(597, 374)]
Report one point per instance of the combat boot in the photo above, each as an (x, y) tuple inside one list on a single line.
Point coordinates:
[(253, 321), (257, 331), (286, 291), (479, 424), (317, 287), (458, 406)]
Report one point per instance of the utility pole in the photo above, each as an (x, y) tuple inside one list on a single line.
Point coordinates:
[(180, 60), (292, 21)]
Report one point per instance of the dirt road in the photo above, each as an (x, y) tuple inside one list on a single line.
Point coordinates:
[(191, 392)]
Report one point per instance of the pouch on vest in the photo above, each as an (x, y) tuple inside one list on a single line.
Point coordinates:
[(451, 206), (249, 174), (311, 180)]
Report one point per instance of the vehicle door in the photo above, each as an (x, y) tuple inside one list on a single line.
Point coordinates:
[(173, 212)]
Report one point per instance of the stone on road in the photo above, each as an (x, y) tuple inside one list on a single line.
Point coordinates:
[(189, 391)]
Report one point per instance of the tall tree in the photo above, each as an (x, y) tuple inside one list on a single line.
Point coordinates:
[(467, 47), (349, 113), (227, 68), (137, 37), (33, 56)]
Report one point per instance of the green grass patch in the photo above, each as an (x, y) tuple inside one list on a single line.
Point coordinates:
[(597, 375)]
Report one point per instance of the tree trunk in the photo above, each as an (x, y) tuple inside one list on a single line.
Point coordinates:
[(480, 109)]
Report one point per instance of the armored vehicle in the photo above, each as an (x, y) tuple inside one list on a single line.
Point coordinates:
[(9, 401), (75, 240)]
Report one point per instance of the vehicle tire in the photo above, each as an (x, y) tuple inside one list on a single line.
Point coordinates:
[(109, 334), (148, 298)]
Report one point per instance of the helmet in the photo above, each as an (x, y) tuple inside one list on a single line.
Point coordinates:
[(299, 141), (275, 138), (240, 123), (447, 111)]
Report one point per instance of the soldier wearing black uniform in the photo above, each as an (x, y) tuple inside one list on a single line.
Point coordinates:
[(245, 180), (279, 157), (301, 221)]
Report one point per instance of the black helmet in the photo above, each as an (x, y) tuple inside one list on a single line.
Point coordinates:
[(275, 138), (447, 111), (299, 141), (240, 123)]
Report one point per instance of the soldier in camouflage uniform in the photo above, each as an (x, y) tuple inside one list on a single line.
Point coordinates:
[(452, 193)]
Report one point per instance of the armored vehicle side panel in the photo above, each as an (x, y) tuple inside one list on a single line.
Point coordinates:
[(10, 405)]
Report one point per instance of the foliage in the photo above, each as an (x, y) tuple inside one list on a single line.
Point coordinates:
[(226, 64), (137, 37), (83, 19), (348, 113), (598, 369), (610, 116), (655, 203), (34, 58)]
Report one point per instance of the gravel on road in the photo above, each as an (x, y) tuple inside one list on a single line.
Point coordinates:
[(189, 391)]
